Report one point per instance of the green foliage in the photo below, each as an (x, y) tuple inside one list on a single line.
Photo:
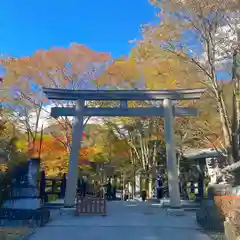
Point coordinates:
[(11, 156), (52, 197)]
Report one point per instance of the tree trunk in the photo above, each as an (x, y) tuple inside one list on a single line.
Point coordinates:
[(231, 168), (150, 185), (235, 127), (134, 180), (227, 133), (137, 183), (146, 184)]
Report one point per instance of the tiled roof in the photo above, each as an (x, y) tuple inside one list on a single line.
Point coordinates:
[(202, 153)]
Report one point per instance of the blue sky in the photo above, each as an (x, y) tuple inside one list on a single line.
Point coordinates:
[(106, 25)]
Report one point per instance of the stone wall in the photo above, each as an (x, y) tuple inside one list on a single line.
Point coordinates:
[(229, 207), (232, 231), (210, 217), (232, 225), (216, 213)]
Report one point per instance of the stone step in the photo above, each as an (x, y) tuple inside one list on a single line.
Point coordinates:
[(186, 204)]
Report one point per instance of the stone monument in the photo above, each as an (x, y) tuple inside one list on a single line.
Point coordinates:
[(24, 193), (24, 202)]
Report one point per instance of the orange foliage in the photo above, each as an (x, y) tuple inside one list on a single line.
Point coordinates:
[(123, 72), (51, 148), (51, 68)]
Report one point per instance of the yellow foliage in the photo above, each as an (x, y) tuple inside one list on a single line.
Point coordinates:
[(121, 74), (153, 67)]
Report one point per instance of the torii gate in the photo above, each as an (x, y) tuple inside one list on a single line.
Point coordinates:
[(169, 111)]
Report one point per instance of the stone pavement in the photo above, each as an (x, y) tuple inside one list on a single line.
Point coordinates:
[(125, 220)]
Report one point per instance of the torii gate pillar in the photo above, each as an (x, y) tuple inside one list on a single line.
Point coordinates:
[(72, 175), (172, 165)]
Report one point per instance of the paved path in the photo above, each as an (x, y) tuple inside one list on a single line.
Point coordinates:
[(128, 221)]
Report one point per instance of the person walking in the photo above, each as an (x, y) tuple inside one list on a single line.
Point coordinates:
[(109, 190), (159, 183), (126, 194)]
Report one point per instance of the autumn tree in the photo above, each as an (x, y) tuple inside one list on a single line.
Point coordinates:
[(151, 67), (107, 155), (203, 35), (140, 138), (147, 67), (74, 68), (10, 135)]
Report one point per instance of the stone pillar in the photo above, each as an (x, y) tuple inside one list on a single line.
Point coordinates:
[(72, 176), (172, 166)]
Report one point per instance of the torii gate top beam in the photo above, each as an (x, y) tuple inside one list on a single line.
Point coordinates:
[(104, 95)]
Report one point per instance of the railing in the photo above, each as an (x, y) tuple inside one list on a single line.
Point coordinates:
[(57, 186), (91, 206)]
